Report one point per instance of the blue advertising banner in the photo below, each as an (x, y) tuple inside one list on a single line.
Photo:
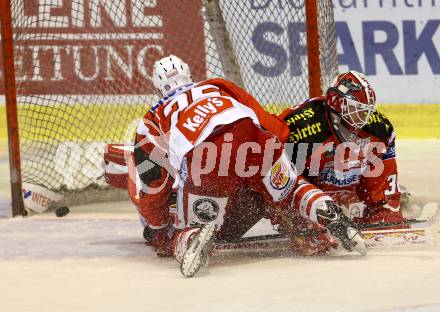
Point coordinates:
[(396, 43)]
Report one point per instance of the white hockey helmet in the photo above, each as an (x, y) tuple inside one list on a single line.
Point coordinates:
[(170, 73)]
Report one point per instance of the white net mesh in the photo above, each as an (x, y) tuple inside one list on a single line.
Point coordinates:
[(83, 69)]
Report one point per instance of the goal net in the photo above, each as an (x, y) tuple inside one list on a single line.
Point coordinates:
[(83, 69)]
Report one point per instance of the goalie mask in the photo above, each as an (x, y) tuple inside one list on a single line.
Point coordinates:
[(352, 99), (170, 73)]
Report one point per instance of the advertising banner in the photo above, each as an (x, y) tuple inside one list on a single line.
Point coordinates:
[(396, 43), (65, 47)]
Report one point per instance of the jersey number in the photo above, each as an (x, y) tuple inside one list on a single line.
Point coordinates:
[(392, 185)]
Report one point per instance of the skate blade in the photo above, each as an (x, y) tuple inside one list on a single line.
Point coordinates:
[(358, 242), (197, 253)]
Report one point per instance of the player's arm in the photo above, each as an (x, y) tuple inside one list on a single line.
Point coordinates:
[(268, 121), (381, 194), (156, 182)]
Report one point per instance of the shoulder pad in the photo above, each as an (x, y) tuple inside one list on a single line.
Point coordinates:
[(308, 123), (379, 126), (303, 112)]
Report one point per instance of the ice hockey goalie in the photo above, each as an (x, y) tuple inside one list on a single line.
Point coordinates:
[(346, 148)]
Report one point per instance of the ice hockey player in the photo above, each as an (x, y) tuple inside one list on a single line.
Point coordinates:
[(343, 121), (214, 143)]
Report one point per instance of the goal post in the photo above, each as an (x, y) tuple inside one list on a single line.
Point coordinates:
[(313, 64), (82, 71), (11, 109)]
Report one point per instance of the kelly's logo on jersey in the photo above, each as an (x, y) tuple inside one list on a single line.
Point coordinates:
[(196, 117), (201, 113)]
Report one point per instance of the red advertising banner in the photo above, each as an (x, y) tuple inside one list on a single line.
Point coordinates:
[(102, 46)]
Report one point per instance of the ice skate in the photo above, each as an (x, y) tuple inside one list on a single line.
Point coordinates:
[(198, 250)]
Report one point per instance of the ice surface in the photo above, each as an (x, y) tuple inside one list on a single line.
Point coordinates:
[(94, 259)]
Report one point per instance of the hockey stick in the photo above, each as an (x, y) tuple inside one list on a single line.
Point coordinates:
[(269, 242), (380, 225), (381, 235), (384, 225), (274, 241)]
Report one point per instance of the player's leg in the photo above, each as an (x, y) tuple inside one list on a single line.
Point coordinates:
[(214, 203), (294, 196)]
